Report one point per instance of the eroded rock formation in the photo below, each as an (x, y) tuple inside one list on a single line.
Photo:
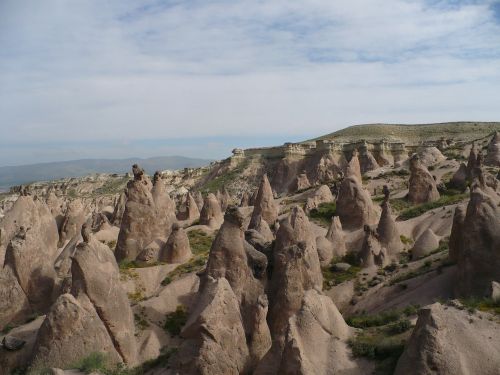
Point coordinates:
[(422, 186)]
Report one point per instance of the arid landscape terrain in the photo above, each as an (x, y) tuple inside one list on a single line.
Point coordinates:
[(371, 250)]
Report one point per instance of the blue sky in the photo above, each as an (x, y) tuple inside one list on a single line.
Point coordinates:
[(120, 78)]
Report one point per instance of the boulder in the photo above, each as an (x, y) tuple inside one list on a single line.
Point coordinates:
[(425, 244), (177, 248), (449, 341), (422, 186), (264, 204), (211, 214)]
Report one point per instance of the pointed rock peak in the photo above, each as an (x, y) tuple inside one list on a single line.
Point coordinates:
[(211, 214), (156, 177), (86, 232), (354, 167), (138, 172), (264, 204)]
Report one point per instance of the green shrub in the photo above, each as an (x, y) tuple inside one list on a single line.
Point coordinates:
[(94, 362), (405, 240), (337, 277), (482, 304), (176, 320), (199, 241), (399, 327), (377, 320), (418, 210)]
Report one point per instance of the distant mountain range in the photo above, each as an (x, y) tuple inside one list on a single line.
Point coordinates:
[(24, 174)]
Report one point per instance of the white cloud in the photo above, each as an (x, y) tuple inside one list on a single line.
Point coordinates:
[(119, 70)]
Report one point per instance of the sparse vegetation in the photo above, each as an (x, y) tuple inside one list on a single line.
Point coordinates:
[(420, 209), (332, 277), (199, 241), (112, 186), (324, 213), (405, 240), (482, 304), (226, 178), (176, 320)]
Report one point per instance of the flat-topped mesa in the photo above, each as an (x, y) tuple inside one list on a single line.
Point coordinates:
[(422, 186), (177, 248), (354, 204), (264, 204), (387, 231), (211, 214), (478, 257), (493, 152), (149, 214)]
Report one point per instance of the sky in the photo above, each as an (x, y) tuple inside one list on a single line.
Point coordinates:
[(123, 78)]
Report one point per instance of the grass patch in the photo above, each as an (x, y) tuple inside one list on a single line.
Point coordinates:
[(482, 304), (226, 178), (199, 241), (176, 320), (112, 186), (383, 318), (420, 209), (405, 240), (130, 264), (324, 212), (332, 277)]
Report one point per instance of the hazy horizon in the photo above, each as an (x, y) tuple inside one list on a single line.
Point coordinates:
[(198, 78)]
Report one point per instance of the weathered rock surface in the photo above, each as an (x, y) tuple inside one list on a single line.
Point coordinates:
[(301, 182), (264, 204), (149, 214), (215, 337), (387, 231), (367, 162), (119, 209), (449, 341), (456, 241), (211, 214), (354, 205), (73, 221), (422, 186), (425, 244), (354, 167), (372, 252), (177, 249), (316, 339), (493, 152), (320, 195), (14, 304), (336, 236), (459, 179)]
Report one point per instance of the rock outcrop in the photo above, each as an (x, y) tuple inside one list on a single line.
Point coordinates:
[(478, 258), (211, 214), (149, 214), (493, 152), (320, 195), (425, 244), (367, 162), (422, 186), (73, 221), (449, 341), (457, 229), (335, 235), (177, 248), (354, 167), (96, 316), (119, 208), (354, 204), (301, 182), (387, 231), (460, 178), (192, 212), (264, 204), (372, 252)]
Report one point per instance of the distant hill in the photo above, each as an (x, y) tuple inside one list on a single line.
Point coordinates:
[(412, 134), (23, 174)]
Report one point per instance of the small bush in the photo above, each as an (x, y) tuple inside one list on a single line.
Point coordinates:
[(176, 320), (418, 210), (94, 362), (405, 240), (377, 320), (324, 212), (399, 327), (482, 304)]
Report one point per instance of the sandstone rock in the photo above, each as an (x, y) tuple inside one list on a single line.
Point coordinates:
[(12, 343), (422, 186), (245, 199), (387, 231), (430, 155), (149, 214), (354, 205), (296, 269), (316, 339), (448, 341), (258, 241), (71, 331), (425, 244), (264, 203), (95, 273), (302, 182), (354, 168), (336, 236), (367, 162), (339, 267), (493, 153), (192, 212), (325, 250), (199, 200), (211, 214), (215, 337), (56, 206), (14, 304), (478, 260), (372, 252), (260, 225), (459, 179), (177, 248), (320, 195), (119, 209), (224, 199), (73, 221), (456, 241)]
